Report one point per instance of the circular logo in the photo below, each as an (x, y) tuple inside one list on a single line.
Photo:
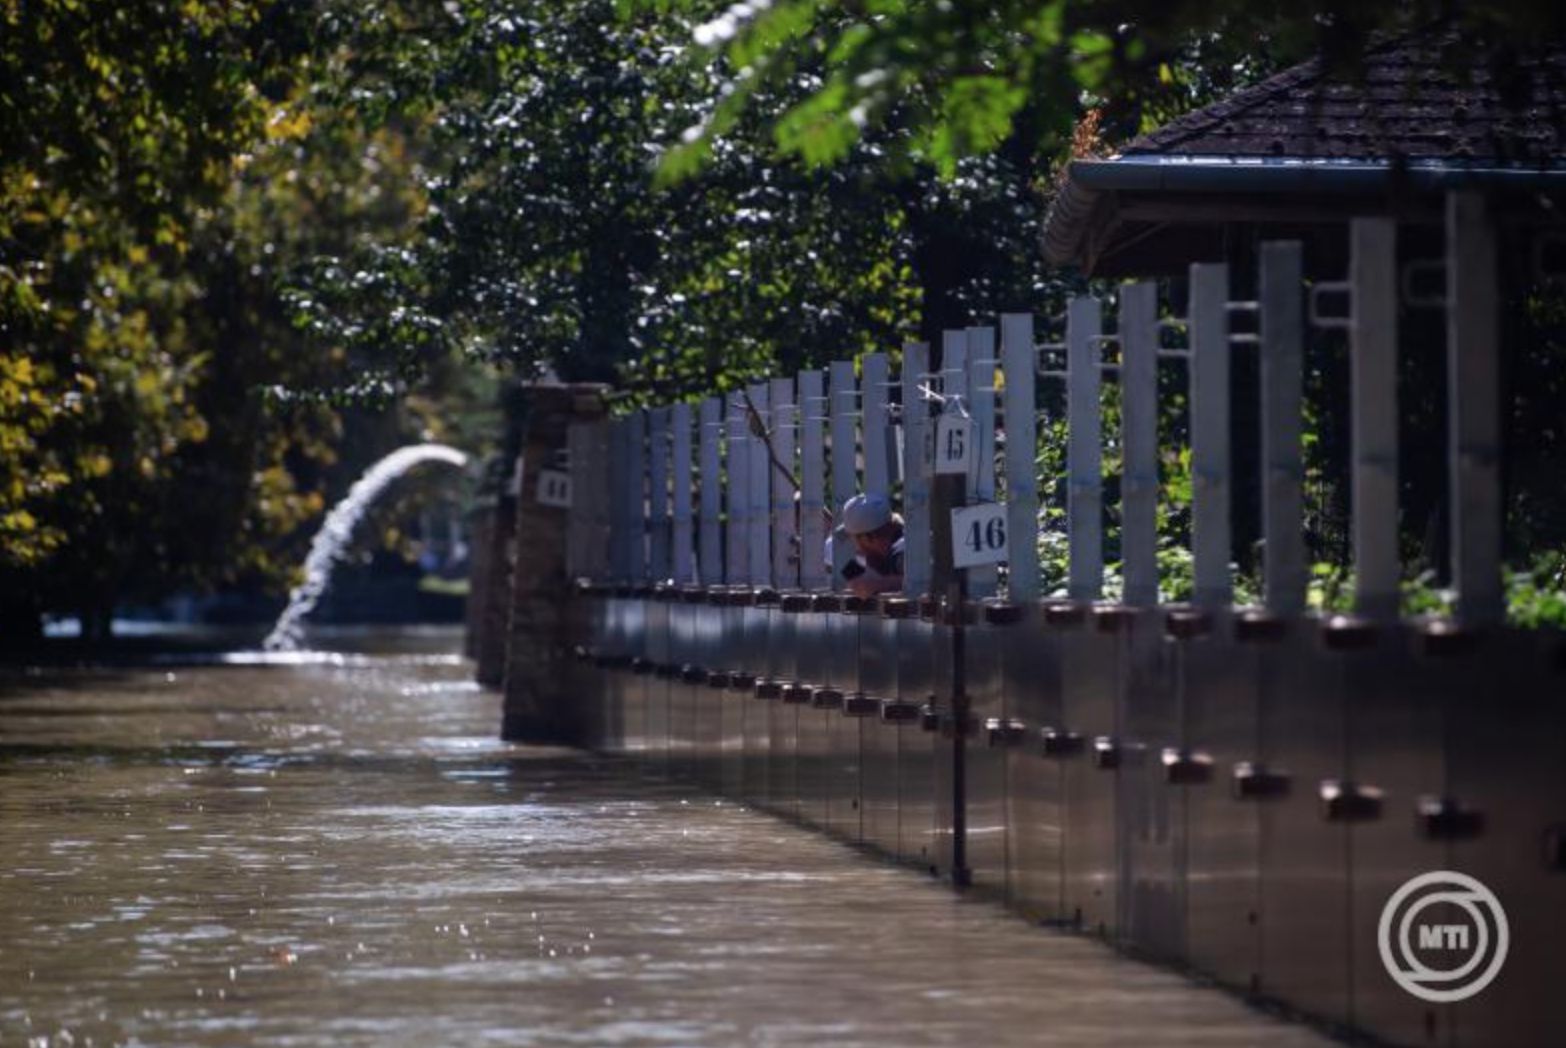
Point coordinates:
[(1443, 936)]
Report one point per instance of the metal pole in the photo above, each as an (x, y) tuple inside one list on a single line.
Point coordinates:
[(1139, 439), (983, 580), (950, 492), (784, 527), (1473, 347), (1373, 277), (760, 537), (876, 423), (636, 493), (1210, 507), (812, 465), (737, 452), (710, 552), (844, 469), (1018, 364), (1084, 450), (1282, 392), (680, 443), (658, 493), (916, 482)]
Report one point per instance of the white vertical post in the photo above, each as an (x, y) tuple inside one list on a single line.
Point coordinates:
[(684, 531), (1210, 500), (737, 453), (813, 573), (1473, 348), (981, 482), (785, 574), (1374, 291), (1139, 441), (916, 482), (658, 493), (845, 472), (1282, 395), (1084, 450), (636, 496), (875, 423), (954, 368), (760, 537), (1019, 365), (709, 560)]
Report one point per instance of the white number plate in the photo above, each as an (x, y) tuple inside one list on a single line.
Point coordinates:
[(554, 488), (979, 534)]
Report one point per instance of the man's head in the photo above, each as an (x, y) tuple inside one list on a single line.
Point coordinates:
[(869, 520)]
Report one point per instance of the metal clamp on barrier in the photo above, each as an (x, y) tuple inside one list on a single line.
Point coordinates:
[(1112, 618), (718, 679), (1106, 753), (829, 602), (1445, 819), (1256, 625), (897, 608), (1004, 731), (797, 694), (1000, 613), (641, 666), (693, 595), (931, 716), (1349, 802), (794, 603), (1185, 768), (860, 705), (742, 681), (1254, 782), (1348, 632), (827, 699), (854, 605), (769, 689), (666, 671), (1058, 743), (896, 711), (1184, 623), (927, 608), (767, 597), (1062, 613), (1443, 637), (693, 674)]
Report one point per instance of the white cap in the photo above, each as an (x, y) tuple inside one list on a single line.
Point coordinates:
[(864, 513)]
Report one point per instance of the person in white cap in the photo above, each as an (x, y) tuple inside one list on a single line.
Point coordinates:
[(877, 532)]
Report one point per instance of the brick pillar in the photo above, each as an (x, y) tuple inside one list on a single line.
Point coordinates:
[(492, 590), (538, 706)]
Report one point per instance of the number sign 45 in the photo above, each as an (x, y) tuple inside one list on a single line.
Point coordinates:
[(953, 444), (979, 534)]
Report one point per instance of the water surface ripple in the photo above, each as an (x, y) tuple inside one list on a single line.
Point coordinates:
[(339, 852)]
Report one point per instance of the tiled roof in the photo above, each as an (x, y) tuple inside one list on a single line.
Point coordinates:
[(1426, 95)]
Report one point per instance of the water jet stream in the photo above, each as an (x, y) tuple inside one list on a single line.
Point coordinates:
[(326, 549)]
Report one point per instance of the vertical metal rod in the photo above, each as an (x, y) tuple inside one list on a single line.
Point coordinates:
[(845, 473), (619, 501), (1022, 437), (1282, 394), (812, 467), (785, 571), (981, 394), (1210, 529), (658, 493), (760, 537), (876, 423), (950, 492), (1473, 347), (1139, 440), (1084, 450), (737, 455), (1373, 277), (709, 559), (680, 447), (916, 481), (636, 496)]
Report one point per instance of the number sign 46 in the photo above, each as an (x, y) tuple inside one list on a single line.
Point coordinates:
[(979, 534)]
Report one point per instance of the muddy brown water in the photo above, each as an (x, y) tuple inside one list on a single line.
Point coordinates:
[(339, 851)]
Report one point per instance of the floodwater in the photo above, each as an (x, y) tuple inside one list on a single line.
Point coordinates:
[(339, 851)]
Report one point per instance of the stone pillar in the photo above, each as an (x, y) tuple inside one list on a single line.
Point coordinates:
[(492, 591), (481, 525), (538, 705)]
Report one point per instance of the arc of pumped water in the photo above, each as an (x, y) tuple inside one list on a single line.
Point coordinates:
[(326, 549)]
